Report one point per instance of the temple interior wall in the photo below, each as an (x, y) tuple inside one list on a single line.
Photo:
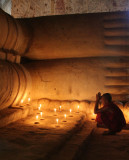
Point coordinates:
[(79, 79)]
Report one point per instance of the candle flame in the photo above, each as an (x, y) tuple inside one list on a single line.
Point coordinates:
[(39, 108), (41, 113), (22, 101), (55, 109), (78, 107), (65, 115), (37, 117), (57, 120), (60, 107), (70, 110), (40, 105), (28, 99)]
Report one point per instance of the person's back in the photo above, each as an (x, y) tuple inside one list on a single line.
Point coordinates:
[(114, 120)]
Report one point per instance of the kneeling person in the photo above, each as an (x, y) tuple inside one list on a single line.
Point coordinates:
[(110, 114)]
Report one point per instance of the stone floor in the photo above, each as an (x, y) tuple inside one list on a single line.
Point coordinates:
[(76, 139), (24, 140), (101, 147)]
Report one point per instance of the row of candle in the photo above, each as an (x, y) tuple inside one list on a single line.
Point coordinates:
[(57, 120), (59, 109), (55, 110), (23, 100), (41, 113)]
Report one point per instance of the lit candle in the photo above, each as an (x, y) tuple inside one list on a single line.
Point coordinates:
[(37, 119), (28, 99), (65, 118), (93, 114), (41, 114), (60, 108), (57, 123), (39, 108), (57, 120), (93, 117), (40, 105), (70, 113), (55, 112), (22, 101), (78, 109)]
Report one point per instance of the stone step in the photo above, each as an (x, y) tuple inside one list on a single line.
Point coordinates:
[(12, 114), (72, 147), (114, 147)]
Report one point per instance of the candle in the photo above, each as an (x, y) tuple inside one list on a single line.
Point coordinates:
[(93, 114), (57, 123), (37, 119), (78, 109), (28, 99), (55, 112), (65, 118), (41, 114), (57, 120), (39, 108), (70, 113), (93, 117), (60, 108), (22, 101)]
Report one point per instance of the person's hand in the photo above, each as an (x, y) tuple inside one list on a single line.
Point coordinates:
[(98, 96)]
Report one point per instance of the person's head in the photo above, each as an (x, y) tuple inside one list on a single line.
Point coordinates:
[(106, 98)]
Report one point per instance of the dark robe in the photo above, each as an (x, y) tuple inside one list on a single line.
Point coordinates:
[(114, 121)]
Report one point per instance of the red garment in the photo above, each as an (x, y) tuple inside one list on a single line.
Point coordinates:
[(114, 121)]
